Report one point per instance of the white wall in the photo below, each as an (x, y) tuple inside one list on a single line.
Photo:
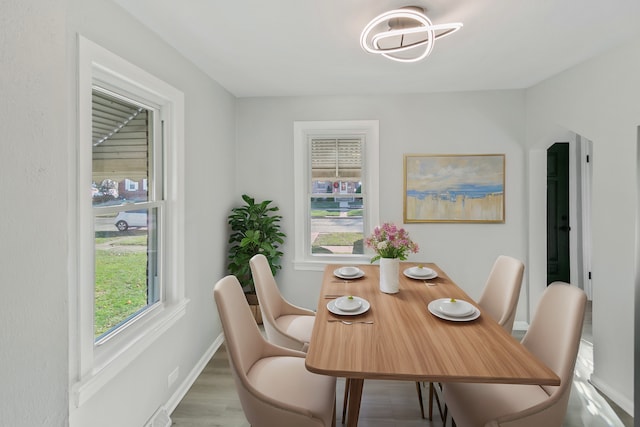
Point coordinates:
[(599, 100), (487, 122), (37, 130), (33, 229), (132, 397)]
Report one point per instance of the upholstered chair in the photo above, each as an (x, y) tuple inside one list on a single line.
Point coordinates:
[(501, 291), (499, 299), (554, 337), (273, 384), (284, 323)]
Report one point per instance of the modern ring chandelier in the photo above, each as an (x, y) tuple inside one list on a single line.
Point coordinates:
[(404, 35)]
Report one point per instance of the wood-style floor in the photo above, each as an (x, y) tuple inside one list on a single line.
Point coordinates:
[(212, 401)]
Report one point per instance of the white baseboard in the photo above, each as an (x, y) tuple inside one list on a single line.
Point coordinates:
[(184, 387), (620, 400), (159, 419), (520, 325)]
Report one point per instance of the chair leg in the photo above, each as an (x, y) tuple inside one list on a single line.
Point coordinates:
[(333, 421), (419, 390), (446, 413), (433, 394), (347, 382)]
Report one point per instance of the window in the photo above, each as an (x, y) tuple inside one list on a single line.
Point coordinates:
[(336, 188), (131, 185), (127, 145), (336, 199), (129, 286)]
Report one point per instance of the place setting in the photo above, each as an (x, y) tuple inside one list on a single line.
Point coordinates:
[(348, 305), (453, 309), (348, 273), (420, 272)]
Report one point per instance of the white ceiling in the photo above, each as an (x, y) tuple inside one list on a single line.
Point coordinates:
[(311, 47)]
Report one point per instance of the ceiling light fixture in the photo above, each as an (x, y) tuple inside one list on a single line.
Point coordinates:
[(404, 35)]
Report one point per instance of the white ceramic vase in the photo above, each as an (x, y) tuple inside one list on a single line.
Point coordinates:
[(389, 280)]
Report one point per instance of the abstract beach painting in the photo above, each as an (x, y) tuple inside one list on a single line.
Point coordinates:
[(454, 188)]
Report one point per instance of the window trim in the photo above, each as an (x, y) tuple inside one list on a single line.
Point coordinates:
[(92, 367), (303, 131)]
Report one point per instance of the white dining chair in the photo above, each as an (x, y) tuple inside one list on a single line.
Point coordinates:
[(273, 384), (554, 337)]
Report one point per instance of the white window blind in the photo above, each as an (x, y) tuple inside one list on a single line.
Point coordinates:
[(336, 159)]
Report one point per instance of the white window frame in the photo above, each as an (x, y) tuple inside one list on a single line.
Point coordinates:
[(303, 132), (93, 365)]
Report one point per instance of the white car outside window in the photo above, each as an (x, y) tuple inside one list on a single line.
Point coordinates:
[(127, 219)]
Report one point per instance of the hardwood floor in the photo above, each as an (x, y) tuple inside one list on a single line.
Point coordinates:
[(212, 400)]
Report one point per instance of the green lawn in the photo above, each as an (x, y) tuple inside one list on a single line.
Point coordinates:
[(120, 282), (321, 213), (316, 213), (336, 239)]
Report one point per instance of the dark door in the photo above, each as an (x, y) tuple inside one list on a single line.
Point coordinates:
[(558, 212)]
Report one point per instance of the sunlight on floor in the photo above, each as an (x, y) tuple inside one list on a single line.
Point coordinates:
[(586, 406)]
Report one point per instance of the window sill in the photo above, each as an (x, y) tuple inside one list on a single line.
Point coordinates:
[(91, 383), (320, 263)]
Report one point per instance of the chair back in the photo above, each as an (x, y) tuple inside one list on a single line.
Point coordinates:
[(243, 339), (502, 290), (266, 287), (272, 304), (555, 332)]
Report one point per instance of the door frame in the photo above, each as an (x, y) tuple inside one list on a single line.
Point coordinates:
[(584, 149), (537, 199)]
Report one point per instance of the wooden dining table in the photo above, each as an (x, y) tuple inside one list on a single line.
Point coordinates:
[(407, 342)]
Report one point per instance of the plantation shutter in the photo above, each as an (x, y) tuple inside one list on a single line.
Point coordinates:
[(336, 159)]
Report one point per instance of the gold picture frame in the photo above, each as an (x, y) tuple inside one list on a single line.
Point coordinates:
[(454, 188)]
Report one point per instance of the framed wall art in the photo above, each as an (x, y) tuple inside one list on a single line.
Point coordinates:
[(454, 188)]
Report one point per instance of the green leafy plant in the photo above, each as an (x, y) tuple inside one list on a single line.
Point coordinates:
[(255, 229)]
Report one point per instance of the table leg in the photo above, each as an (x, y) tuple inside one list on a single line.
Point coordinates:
[(355, 397)]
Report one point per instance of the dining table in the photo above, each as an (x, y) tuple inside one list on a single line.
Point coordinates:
[(405, 336)]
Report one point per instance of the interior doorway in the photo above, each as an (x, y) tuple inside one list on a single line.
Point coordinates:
[(558, 220), (568, 209)]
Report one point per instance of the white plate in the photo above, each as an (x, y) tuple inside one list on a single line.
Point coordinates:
[(458, 308), (348, 271), (407, 273), (421, 272), (331, 306), (348, 304), (336, 273), (433, 308)]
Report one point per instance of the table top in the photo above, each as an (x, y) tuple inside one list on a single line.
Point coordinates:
[(407, 342)]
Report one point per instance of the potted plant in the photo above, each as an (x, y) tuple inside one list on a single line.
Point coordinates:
[(255, 229)]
